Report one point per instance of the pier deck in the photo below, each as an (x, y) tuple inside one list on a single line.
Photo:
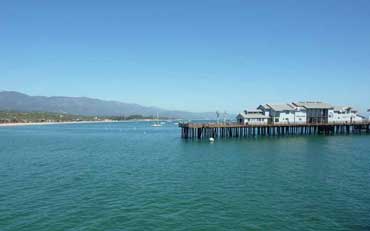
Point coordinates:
[(228, 130)]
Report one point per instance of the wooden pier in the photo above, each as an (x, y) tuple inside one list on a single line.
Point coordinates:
[(228, 130)]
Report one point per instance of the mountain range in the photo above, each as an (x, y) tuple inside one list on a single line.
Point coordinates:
[(19, 102)]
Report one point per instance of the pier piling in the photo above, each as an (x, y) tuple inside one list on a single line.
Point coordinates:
[(229, 130)]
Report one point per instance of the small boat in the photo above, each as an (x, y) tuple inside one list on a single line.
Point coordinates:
[(211, 139), (157, 123)]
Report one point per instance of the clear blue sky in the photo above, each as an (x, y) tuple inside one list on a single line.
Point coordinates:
[(190, 55)]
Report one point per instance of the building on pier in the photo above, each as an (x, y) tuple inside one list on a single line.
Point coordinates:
[(252, 117), (316, 112), (283, 113), (344, 114), (300, 113)]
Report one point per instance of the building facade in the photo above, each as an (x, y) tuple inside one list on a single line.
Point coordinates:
[(283, 113), (344, 114), (299, 113), (253, 117), (316, 112)]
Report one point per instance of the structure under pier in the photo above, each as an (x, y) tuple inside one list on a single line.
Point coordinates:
[(228, 130)]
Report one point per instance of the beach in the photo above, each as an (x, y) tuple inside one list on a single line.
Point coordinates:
[(71, 122), (52, 123)]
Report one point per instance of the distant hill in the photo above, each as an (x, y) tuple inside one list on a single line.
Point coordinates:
[(15, 101)]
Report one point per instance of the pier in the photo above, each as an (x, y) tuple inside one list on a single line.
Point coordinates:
[(229, 130)]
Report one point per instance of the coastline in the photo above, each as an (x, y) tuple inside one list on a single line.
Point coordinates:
[(52, 123), (71, 122)]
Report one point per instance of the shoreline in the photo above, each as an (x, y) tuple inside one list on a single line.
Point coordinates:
[(52, 123), (71, 122)]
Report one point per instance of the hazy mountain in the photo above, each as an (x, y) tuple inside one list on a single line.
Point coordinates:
[(15, 101)]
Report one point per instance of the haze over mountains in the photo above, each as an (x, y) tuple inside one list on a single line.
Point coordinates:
[(15, 101)]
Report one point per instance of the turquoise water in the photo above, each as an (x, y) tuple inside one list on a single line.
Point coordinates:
[(130, 176)]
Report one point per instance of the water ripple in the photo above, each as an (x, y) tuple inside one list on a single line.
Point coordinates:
[(115, 177)]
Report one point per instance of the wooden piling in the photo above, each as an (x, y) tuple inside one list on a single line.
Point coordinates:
[(207, 130)]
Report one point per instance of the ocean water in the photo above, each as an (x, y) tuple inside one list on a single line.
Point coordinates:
[(131, 176)]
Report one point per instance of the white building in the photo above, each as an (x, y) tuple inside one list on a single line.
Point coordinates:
[(284, 113), (299, 113), (253, 117), (344, 114), (316, 112)]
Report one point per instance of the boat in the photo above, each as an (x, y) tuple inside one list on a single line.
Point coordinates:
[(211, 139), (157, 123)]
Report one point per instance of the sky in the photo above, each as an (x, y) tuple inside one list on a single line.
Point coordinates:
[(189, 55)]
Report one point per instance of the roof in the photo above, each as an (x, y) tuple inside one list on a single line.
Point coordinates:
[(361, 116), (344, 108), (280, 107), (253, 116), (264, 106), (252, 111), (341, 108), (313, 105)]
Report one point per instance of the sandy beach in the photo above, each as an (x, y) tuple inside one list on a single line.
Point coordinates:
[(72, 122), (53, 123)]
